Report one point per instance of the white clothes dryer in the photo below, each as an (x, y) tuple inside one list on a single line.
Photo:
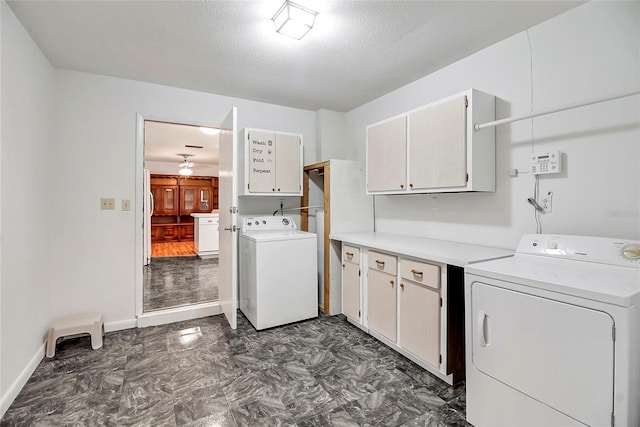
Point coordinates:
[(278, 279), (553, 334)]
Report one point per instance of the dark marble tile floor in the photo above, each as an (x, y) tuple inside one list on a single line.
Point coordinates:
[(177, 281), (321, 372)]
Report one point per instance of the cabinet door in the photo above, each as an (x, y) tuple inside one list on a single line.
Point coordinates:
[(204, 201), (261, 162), (170, 233), (420, 321), (187, 200), (351, 290), (288, 165), (438, 147), (387, 156), (186, 232), (381, 307), (170, 200)]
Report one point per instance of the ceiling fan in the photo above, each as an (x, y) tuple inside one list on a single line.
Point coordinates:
[(186, 165)]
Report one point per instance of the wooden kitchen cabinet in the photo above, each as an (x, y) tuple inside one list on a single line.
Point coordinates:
[(419, 312), (387, 156), (165, 199), (175, 198), (351, 283), (381, 294), (272, 163), (434, 148)]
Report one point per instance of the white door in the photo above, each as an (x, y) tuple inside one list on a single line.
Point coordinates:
[(288, 163), (228, 204), (148, 211), (387, 156), (557, 353)]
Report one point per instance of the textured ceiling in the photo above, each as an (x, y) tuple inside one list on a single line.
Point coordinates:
[(358, 50), (164, 142)]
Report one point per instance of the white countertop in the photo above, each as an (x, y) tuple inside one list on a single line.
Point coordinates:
[(446, 252), (205, 215)]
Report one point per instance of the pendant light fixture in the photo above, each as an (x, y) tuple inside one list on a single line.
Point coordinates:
[(294, 20), (185, 166)]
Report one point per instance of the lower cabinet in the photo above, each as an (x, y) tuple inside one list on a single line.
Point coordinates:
[(351, 282), (382, 313), (415, 306), (420, 321)]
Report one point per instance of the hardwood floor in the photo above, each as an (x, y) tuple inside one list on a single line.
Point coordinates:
[(166, 249)]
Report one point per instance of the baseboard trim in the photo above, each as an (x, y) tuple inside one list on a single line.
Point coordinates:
[(120, 325), (179, 314), (12, 392)]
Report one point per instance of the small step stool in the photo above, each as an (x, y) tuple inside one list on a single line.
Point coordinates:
[(91, 324)]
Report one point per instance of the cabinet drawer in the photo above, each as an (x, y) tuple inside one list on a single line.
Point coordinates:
[(383, 262), (351, 254), (420, 272), (208, 221)]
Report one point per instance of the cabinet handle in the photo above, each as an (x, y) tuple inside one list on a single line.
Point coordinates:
[(273, 189), (401, 185), (417, 273), (278, 189), (402, 286), (410, 185), (380, 263), (349, 254), (344, 265), (391, 281)]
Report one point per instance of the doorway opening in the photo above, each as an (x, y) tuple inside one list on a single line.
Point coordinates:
[(180, 215)]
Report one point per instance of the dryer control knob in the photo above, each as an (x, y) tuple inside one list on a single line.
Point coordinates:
[(631, 251)]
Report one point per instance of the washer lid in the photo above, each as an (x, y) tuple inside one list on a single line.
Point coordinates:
[(277, 235), (599, 282)]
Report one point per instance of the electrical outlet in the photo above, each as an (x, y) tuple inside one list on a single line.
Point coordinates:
[(126, 205), (107, 204), (547, 202)]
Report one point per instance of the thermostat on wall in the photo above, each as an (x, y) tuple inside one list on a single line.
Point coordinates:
[(545, 163)]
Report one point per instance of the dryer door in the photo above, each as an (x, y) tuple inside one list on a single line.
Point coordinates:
[(559, 354)]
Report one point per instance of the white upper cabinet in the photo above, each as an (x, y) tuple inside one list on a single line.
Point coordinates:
[(387, 156), (443, 152), (438, 152), (272, 163)]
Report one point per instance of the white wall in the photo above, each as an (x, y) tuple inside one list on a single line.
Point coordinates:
[(589, 52), (171, 168), (27, 94), (94, 265), (331, 132)]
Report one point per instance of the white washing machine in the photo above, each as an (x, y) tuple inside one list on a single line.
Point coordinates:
[(553, 334), (278, 272)]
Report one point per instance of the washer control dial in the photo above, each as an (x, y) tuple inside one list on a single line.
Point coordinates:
[(285, 221), (631, 251)]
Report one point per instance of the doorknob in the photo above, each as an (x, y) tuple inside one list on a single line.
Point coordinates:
[(232, 228)]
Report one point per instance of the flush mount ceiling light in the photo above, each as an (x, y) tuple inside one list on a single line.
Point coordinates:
[(185, 166), (294, 20)]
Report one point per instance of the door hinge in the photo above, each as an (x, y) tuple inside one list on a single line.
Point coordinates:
[(233, 210), (441, 359), (359, 272), (613, 332), (359, 314), (466, 102), (613, 419), (440, 302)]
